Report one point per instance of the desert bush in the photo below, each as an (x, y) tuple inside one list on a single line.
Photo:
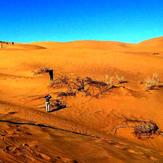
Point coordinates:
[(141, 128), (120, 79), (74, 85), (86, 85), (109, 80), (42, 70), (153, 82), (58, 104), (115, 81), (66, 94), (96, 88), (60, 81)]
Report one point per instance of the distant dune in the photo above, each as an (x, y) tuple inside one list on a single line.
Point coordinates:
[(155, 43), (85, 44), (19, 46), (152, 45)]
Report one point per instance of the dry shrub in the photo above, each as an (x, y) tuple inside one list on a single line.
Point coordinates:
[(95, 88), (60, 82), (141, 128), (58, 104), (153, 82), (115, 81), (66, 94), (109, 80), (42, 70), (121, 79), (74, 85), (86, 85)]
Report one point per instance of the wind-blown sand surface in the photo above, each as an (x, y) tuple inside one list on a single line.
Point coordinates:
[(82, 131)]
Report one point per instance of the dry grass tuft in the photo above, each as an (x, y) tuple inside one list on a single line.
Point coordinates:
[(120, 79), (115, 81), (153, 82)]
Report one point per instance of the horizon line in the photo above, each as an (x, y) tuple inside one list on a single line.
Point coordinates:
[(98, 40)]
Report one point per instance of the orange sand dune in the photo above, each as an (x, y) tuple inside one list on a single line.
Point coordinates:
[(157, 42), (82, 132), (85, 44)]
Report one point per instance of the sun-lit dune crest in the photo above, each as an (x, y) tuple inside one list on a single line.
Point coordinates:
[(153, 44), (48, 44), (92, 44), (156, 41)]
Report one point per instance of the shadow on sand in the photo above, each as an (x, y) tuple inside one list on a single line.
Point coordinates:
[(57, 108)]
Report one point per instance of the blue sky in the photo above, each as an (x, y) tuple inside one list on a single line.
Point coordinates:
[(68, 20)]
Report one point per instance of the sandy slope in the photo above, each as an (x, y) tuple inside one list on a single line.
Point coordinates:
[(81, 132)]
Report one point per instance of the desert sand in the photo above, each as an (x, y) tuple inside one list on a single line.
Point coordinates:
[(81, 132)]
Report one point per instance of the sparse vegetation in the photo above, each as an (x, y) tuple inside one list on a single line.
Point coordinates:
[(86, 85), (45, 70), (42, 70), (60, 82), (58, 104), (67, 93), (115, 81), (109, 80), (153, 82), (121, 79), (141, 128)]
